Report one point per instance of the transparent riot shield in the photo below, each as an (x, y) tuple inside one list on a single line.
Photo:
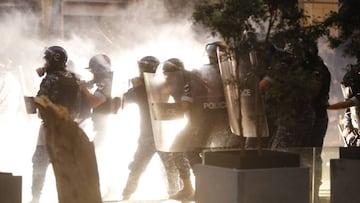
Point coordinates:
[(246, 108), (164, 91), (209, 126)]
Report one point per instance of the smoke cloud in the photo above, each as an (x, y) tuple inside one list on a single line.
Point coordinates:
[(133, 31), (125, 34)]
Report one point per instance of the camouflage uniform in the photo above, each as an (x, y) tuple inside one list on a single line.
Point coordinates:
[(208, 124), (146, 146)]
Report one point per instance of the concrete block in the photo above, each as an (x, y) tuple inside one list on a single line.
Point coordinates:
[(349, 153), (10, 188), (251, 159), (344, 180), (271, 185)]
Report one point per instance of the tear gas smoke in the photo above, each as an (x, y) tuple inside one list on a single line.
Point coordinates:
[(139, 29), (142, 28)]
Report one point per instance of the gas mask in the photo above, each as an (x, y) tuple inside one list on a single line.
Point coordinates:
[(41, 71)]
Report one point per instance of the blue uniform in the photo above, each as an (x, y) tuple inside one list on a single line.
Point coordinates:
[(62, 89)]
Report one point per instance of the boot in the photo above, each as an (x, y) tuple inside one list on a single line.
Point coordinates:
[(126, 197), (187, 193)]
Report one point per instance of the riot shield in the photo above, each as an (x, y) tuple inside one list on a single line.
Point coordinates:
[(164, 91), (246, 108), (209, 126)]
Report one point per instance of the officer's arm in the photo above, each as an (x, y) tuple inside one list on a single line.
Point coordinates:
[(341, 105), (186, 98), (94, 99)]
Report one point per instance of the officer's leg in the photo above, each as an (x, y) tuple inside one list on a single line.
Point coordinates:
[(142, 157), (182, 163), (40, 165), (171, 171)]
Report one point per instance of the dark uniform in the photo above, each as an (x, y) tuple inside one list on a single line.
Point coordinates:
[(305, 124), (320, 103), (294, 116), (98, 105), (208, 125), (100, 113), (146, 143), (61, 87), (208, 120)]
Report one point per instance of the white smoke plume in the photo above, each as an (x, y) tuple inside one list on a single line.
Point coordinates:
[(129, 33), (139, 29)]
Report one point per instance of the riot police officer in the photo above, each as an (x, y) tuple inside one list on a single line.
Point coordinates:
[(204, 94), (351, 90), (146, 143), (291, 108), (61, 87), (204, 101), (178, 155), (100, 101), (322, 77)]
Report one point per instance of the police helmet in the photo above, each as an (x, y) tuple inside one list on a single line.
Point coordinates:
[(149, 64), (211, 50), (177, 62), (100, 63), (167, 66), (352, 76), (56, 56)]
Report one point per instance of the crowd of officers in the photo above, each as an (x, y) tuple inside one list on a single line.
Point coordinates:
[(205, 125)]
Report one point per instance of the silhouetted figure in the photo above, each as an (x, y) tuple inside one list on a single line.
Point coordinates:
[(208, 126), (61, 87), (100, 101), (146, 144)]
